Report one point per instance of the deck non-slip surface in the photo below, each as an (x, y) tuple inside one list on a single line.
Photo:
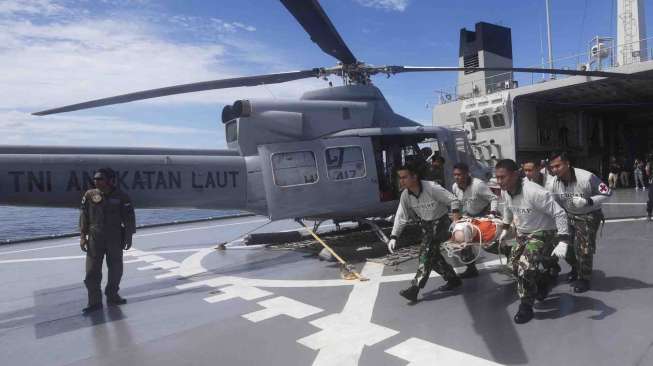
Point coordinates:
[(192, 305)]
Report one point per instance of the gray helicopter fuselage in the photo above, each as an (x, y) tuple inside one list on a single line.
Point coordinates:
[(320, 156)]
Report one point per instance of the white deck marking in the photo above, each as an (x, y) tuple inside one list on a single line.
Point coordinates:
[(15, 319), (200, 228), (191, 265), (235, 291), (165, 264), (136, 236), (625, 220), (282, 306), (624, 203), (343, 335), (45, 259), (147, 268), (419, 352), (129, 261), (150, 258)]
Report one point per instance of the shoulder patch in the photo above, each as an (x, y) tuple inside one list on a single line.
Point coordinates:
[(96, 197), (603, 188)]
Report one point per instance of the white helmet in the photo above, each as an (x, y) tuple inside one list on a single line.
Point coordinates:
[(463, 232)]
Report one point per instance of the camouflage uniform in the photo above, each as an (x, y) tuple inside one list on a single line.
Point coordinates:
[(430, 206), (109, 221), (537, 217), (434, 233), (529, 260), (583, 221), (583, 230)]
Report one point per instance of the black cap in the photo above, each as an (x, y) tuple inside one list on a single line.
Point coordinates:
[(104, 173)]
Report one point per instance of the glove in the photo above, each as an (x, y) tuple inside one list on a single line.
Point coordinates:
[(83, 244), (391, 245), (560, 250), (579, 202), (127, 244)]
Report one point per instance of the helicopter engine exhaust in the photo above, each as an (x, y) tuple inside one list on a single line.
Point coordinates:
[(240, 108)]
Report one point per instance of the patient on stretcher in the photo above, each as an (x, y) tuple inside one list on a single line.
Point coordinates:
[(483, 231), (478, 233)]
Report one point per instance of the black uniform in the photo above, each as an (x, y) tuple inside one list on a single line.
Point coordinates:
[(108, 220)]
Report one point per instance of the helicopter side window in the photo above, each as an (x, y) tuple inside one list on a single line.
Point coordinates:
[(294, 168), (498, 120), (345, 162), (484, 121)]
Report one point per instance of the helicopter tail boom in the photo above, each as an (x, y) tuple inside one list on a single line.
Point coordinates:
[(189, 180)]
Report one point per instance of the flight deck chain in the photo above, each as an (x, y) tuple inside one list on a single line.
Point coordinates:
[(359, 245)]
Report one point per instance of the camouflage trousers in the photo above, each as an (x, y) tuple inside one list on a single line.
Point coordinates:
[(434, 233), (580, 255), (529, 261)]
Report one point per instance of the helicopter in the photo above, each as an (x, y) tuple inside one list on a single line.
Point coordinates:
[(332, 154)]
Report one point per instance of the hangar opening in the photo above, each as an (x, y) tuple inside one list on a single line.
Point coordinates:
[(593, 121)]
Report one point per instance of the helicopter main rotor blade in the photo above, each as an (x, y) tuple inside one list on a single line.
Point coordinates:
[(188, 88), (316, 23), (400, 69)]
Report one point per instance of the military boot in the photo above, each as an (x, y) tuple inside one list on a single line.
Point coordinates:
[(410, 293), (543, 287), (524, 314), (116, 300), (470, 272), (451, 284), (91, 308), (581, 286)]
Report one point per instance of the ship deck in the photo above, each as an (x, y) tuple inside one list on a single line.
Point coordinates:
[(192, 304)]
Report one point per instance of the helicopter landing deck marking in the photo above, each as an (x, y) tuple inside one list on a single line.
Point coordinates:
[(423, 353), (282, 306), (342, 336), (303, 297)]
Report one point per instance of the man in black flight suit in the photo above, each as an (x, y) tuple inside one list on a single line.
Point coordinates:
[(107, 223)]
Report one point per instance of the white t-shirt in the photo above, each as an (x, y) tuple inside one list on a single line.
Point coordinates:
[(583, 184), (431, 203), (533, 209), (475, 197)]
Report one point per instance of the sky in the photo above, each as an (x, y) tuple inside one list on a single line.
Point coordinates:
[(59, 52)]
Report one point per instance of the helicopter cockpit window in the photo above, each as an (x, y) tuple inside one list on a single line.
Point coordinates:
[(231, 131), (294, 168), (498, 120), (345, 163), (484, 121)]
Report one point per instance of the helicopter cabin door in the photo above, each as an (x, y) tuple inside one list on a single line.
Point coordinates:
[(324, 178)]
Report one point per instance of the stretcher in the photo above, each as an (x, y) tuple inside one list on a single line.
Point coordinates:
[(475, 233)]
